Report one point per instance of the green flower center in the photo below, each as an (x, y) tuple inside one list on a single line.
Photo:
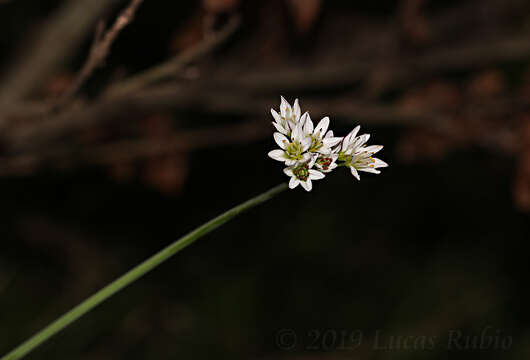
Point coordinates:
[(359, 161), (363, 162), (316, 143), (301, 172), (294, 150), (343, 157)]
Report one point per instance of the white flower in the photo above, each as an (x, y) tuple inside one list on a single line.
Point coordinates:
[(357, 156), (363, 161), (326, 162), (291, 151), (302, 146), (302, 173), (352, 142), (322, 140), (288, 117)]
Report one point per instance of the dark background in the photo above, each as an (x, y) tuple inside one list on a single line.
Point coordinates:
[(434, 245)]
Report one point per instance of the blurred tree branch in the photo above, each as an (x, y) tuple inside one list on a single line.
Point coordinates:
[(55, 42), (172, 66), (228, 93), (244, 93), (99, 50)]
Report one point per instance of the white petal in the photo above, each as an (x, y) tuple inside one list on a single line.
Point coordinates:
[(306, 158), (355, 173), (307, 185), (297, 110), (276, 116), (281, 140), (332, 167), (296, 134), (354, 132), (280, 128), (290, 162), (329, 134), (336, 149), (284, 105), (379, 163), (313, 159), (306, 143), (322, 126), (362, 139), (358, 142), (293, 182), (308, 126), (315, 175), (330, 142), (373, 149), (277, 154), (349, 138), (370, 170), (288, 171), (303, 118), (324, 150)]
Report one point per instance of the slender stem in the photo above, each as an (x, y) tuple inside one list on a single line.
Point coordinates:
[(137, 272)]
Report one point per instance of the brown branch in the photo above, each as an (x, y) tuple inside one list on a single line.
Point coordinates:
[(126, 150), (99, 50), (238, 93), (56, 40), (345, 112), (174, 65), (209, 100)]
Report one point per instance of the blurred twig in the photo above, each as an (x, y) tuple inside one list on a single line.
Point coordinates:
[(177, 63), (127, 150), (55, 42), (248, 92), (345, 111), (223, 90), (190, 97), (99, 50)]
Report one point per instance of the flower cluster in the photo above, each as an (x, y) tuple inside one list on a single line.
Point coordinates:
[(309, 152)]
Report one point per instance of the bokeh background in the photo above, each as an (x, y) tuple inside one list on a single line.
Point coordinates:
[(94, 182)]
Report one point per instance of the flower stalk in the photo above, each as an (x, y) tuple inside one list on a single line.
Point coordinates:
[(137, 272)]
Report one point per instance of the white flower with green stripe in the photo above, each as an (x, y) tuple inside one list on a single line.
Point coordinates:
[(303, 174), (355, 154), (288, 118), (311, 151), (322, 140), (291, 150)]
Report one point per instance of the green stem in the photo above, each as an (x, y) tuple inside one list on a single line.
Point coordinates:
[(137, 272)]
